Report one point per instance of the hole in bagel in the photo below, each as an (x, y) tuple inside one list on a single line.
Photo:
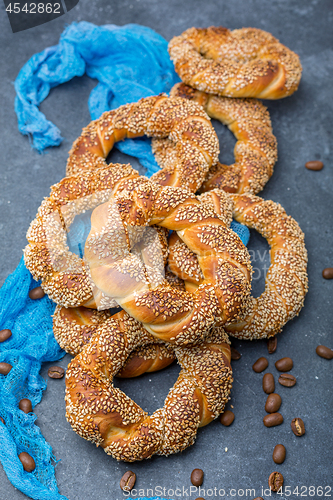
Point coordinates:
[(116, 156), (260, 259), (227, 142), (150, 389), (78, 233)]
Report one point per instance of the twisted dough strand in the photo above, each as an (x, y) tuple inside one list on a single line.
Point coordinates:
[(74, 327), (169, 314), (246, 62)]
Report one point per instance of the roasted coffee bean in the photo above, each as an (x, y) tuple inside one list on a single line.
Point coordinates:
[(200, 498), (273, 403), (271, 345), (197, 477), (56, 372), (227, 418), (287, 379), (260, 365), (324, 352), (235, 355), (297, 426), (314, 165), (5, 334), (127, 482), (27, 461), (258, 498), (275, 481), (5, 368), (328, 273), (279, 454), (36, 293), (2, 420), (284, 364), (273, 419), (25, 405), (268, 383)]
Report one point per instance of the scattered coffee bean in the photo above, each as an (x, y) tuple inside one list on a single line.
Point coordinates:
[(271, 345), (5, 334), (127, 482), (227, 418), (56, 372), (284, 364), (287, 379), (25, 405), (197, 477), (199, 498), (297, 426), (273, 419), (260, 365), (5, 368), (328, 273), (324, 352), (268, 383), (2, 420), (235, 355), (258, 498), (273, 403), (36, 293), (27, 461), (275, 481), (314, 165), (279, 454)]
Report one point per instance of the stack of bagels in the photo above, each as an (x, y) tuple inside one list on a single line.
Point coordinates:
[(161, 249)]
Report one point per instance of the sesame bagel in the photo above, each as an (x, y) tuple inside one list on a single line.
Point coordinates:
[(246, 62), (184, 123), (286, 279), (255, 150), (103, 414)]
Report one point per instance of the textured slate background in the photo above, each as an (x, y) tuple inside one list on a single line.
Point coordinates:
[(303, 126)]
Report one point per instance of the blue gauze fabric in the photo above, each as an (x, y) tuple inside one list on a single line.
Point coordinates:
[(31, 343), (129, 62)]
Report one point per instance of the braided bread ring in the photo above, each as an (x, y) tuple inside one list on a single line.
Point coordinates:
[(255, 150), (286, 279), (169, 314), (74, 327), (184, 123), (246, 62), (103, 414)]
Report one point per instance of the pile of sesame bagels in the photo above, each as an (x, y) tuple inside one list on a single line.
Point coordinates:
[(162, 250)]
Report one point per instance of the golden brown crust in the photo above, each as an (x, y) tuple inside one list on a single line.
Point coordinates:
[(246, 62), (104, 415), (255, 150), (74, 327), (286, 279), (185, 124)]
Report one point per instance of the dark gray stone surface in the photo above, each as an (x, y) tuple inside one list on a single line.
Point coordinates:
[(303, 126)]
